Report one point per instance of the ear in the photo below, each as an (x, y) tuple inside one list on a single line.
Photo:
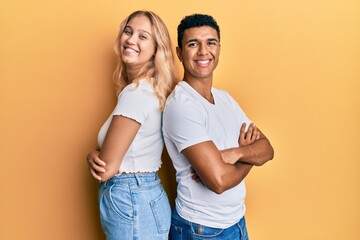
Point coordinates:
[(178, 53)]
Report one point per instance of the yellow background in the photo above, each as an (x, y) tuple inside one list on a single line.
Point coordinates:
[(294, 67)]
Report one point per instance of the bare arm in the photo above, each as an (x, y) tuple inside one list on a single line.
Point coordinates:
[(118, 139), (254, 148), (214, 173)]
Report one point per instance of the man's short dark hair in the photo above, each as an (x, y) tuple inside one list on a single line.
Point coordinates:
[(195, 20)]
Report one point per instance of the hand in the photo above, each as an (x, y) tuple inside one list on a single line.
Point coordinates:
[(195, 176), (250, 136), (95, 164), (229, 156)]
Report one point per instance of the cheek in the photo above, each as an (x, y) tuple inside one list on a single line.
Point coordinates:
[(122, 38), (150, 49)]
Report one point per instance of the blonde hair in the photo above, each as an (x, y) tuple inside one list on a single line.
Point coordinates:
[(160, 70)]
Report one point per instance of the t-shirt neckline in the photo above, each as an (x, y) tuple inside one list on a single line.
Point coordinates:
[(198, 94)]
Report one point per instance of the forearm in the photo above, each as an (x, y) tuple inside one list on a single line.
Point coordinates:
[(101, 170), (214, 173), (111, 169), (235, 175), (118, 139), (257, 153)]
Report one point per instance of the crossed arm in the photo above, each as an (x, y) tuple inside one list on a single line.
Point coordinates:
[(221, 171), (105, 163), (225, 169), (254, 148)]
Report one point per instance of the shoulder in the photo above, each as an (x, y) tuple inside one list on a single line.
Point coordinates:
[(181, 100), (225, 97), (141, 92), (142, 87), (220, 93)]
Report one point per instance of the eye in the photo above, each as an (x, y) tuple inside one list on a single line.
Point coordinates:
[(127, 32), (142, 37), (192, 44), (212, 43)]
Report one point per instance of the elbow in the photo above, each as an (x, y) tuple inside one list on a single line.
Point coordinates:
[(269, 156), (271, 153), (109, 173), (217, 185), (104, 177), (217, 189)]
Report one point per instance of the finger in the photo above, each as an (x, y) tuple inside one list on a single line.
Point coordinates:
[(97, 167), (254, 133), (249, 132), (242, 131), (196, 178), (99, 162), (93, 173)]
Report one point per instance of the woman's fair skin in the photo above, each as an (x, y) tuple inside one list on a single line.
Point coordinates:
[(137, 47)]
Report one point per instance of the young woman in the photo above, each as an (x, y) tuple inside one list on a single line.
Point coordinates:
[(132, 201)]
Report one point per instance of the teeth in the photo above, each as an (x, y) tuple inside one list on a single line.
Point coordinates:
[(130, 50), (203, 62)]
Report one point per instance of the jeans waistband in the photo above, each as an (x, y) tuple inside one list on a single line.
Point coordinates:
[(134, 178)]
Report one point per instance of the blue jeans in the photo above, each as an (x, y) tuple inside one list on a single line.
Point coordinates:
[(134, 206), (182, 229)]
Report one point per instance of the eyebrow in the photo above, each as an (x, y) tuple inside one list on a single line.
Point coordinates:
[(195, 40), (142, 30)]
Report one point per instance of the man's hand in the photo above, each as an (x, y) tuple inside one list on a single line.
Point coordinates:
[(250, 136), (230, 155), (195, 176)]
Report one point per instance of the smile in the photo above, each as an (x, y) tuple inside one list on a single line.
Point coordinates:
[(203, 62), (130, 50)]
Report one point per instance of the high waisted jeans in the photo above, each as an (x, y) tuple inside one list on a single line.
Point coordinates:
[(134, 206), (182, 229)]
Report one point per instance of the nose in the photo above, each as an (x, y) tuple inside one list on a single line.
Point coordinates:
[(202, 50), (131, 39)]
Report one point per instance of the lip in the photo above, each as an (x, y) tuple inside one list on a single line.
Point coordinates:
[(203, 62), (128, 49)]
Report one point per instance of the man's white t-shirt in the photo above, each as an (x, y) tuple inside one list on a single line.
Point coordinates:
[(189, 119), (140, 104)]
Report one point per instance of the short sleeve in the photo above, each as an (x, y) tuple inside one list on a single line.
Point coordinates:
[(136, 103), (184, 123)]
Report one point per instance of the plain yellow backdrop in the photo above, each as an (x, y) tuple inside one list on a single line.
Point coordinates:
[(294, 67)]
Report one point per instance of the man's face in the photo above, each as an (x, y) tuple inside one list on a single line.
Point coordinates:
[(200, 52)]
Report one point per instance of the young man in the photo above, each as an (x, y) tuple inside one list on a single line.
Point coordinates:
[(206, 137)]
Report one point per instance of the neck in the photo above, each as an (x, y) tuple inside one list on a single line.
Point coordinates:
[(131, 74), (202, 86)]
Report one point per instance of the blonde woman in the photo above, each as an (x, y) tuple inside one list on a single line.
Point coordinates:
[(132, 201)]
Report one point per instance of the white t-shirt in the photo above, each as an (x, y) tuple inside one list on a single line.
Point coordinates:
[(190, 119), (140, 104)]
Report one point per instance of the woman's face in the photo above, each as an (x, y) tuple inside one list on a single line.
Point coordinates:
[(137, 43)]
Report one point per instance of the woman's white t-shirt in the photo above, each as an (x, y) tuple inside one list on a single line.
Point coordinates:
[(142, 105)]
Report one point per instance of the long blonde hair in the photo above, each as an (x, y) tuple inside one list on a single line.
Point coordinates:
[(160, 70)]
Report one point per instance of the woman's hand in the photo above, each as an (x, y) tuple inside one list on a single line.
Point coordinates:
[(95, 164)]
